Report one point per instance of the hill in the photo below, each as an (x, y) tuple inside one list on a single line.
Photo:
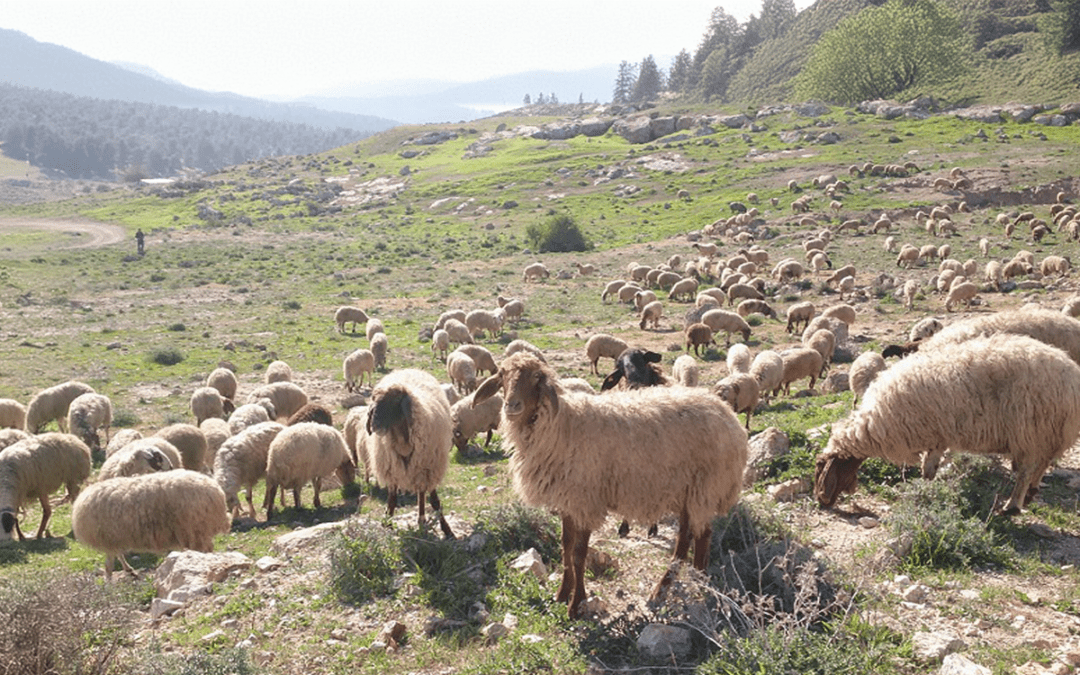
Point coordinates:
[(247, 266)]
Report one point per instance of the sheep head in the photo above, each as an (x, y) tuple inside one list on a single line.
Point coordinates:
[(155, 459), (526, 382), (636, 366), (9, 525), (834, 474), (390, 411)]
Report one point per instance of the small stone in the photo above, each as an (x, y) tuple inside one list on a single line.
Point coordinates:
[(530, 561), (969, 594), (339, 634), (916, 593), (869, 523), (229, 623), (788, 490), (493, 632), (481, 488), (392, 634), (510, 621), (935, 646), (160, 607), (660, 641), (531, 639), (957, 664), (268, 564), (213, 635), (377, 646)]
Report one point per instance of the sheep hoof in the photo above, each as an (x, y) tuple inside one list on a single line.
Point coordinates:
[(624, 529)]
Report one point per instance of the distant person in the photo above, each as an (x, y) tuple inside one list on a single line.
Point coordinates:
[(140, 240)]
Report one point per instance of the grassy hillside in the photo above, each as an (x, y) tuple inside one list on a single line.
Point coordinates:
[(249, 265)]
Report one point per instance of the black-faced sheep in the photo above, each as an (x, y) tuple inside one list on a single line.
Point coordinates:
[(1006, 394), (585, 455), (635, 368), (34, 468)]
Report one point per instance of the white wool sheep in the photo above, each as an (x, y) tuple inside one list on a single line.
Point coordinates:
[(483, 321), (484, 359), (224, 380), (189, 441), (52, 404), (1004, 394), (523, 346), (534, 272), (153, 442), (924, 328), (455, 314), (628, 292), (278, 371), (461, 370), (286, 397), (862, 372), (12, 414), (741, 291), (612, 289), (1054, 264), (908, 256), (303, 453), (88, 413), (409, 434), (739, 358), (216, 432), (470, 420), (1053, 328), (458, 332), (356, 365), (379, 346), (578, 385), (207, 403), (823, 341), (728, 322), (134, 461), (155, 512), (250, 414), (513, 311), (440, 344), (799, 362), (1071, 308), (603, 345), (800, 313), (667, 280), (963, 292), (354, 429), (642, 298), (373, 328), (748, 307), (582, 456), (585, 270), (120, 439), (347, 314), (683, 288), (241, 461), (686, 371), (910, 290), (844, 312), (740, 392), (34, 468), (10, 436)]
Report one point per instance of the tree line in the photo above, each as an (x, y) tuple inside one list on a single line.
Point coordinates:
[(87, 138)]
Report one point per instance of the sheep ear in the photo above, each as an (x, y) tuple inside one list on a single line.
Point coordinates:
[(370, 414), (611, 380), (653, 357), (487, 388), (547, 388)]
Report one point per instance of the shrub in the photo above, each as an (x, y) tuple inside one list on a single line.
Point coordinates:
[(364, 562), (557, 234), (227, 662), (169, 356), (177, 327)]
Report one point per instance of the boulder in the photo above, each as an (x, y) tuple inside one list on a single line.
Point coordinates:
[(635, 130), (660, 641), (195, 570), (763, 448), (662, 126)]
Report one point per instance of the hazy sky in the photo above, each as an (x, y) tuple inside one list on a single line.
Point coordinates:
[(287, 49)]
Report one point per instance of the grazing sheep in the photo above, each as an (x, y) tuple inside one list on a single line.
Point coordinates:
[(440, 344), (513, 311), (699, 335), (862, 372), (729, 322), (534, 272), (356, 365), (10, 436), (354, 429), (34, 468), (585, 270), (410, 430), (461, 370), (279, 371), (286, 397), (799, 362), (1005, 394), (740, 392), (241, 462), (635, 368), (134, 461), (627, 293), (1016, 268), (347, 314), (963, 292), (612, 288), (686, 288), (305, 453), (379, 346), (666, 280), (685, 371), (120, 439), (155, 512), (924, 328), (523, 346), (742, 291), (470, 420), (651, 313), (908, 256), (251, 414), (224, 380), (800, 313), (455, 314), (88, 413), (153, 443), (481, 321), (52, 404), (823, 341), (12, 414), (1072, 307), (484, 359), (216, 432), (582, 456), (738, 358), (748, 307), (642, 298), (189, 441), (845, 271), (1054, 264), (312, 412), (844, 312), (207, 403), (458, 332)]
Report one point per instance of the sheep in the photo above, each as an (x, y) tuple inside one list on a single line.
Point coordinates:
[(134, 461), (535, 271), (458, 332), (440, 344), (469, 420), (738, 358), (10, 436), (845, 271), (862, 372), (302, 453), (1005, 394), (962, 292), (890, 244), (410, 430), (635, 368), (216, 431), (823, 341), (354, 429), (685, 371), (379, 346), (799, 362), (1071, 307), (768, 370), (667, 280), (642, 298), (224, 380), (844, 312), (924, 328), (910, 290), (12, 414), (279, 371), (684, 288), (34, 468), (748, 307), (699, 335), (481, 321), (250, 414), (153, 443), (312, 412), (1053, 328), (356, 365), (729, 322), (651, 313), (612, 288), (189, 442), (88, 413), (717, 295), (523, 346), (461, 370), (513, 311), (741, 291), (585, 270), (583, 455), (800, 313), (705, 249), (120, 439), (945, 279), (1054, 264), (156, 512), (455, 314), (740, 392), (908, 256), (628, 292), (207, 403), (348, 314), (52, 404), (286, 397), (241, 461), (1016, 268)]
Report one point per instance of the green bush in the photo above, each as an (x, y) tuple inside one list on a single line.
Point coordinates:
[(227, 662), (365, 560), (557, 234), (169, 356)]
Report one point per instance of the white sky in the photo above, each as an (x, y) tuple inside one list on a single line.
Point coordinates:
[(290, 48)]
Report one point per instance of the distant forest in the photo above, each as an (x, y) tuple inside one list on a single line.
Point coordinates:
[(89, 138)]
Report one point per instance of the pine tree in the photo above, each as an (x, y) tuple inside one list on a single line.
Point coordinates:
[(624, 83), (649, 81), (679, 73), (528, 100)]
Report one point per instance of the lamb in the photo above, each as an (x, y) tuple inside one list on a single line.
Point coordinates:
[(134, 461), (1005, 394), (458, 332), (729, 322), (740, 392), (699, 335), (224, 380), (356, 365), (800, 312), (651, 314), (799, 362), (523, 346), (738, 358), (88, 413), (635, 368), (461, 370), (480, 321), (156, 512), (286, 397), (484, 359), (440, 344), (685, 371), (302, 453), (585, 270), (251, 414), (862, 372), (34, 468), (469, 420), (583, 455), (748, 307), (52, 404), (207, 403), (535, 271), (279, 371), (962, 292), (241, 461), (410, 430), (312, 412), (347, 314), (12, 414), (189, 441)]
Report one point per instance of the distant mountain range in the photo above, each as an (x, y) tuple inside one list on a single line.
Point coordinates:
[(29, 63)]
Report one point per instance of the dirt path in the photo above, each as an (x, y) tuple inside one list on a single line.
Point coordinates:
[(83, 233)]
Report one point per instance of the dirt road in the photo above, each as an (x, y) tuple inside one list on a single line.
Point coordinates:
[(81, 233)]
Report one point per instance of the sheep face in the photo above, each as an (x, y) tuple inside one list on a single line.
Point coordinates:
[(9, 525), (834, 475), (526, 384), (391, 412), (635, 366)]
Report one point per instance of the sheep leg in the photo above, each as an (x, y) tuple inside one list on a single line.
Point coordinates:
[(581, 549), (568, 540), (251, 505), (46, 511), (391, 502), (624, 528), (702, 545), (317, 484), (682, 546), (436, 506), (488, 441), (268, 502), (295, 497)]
